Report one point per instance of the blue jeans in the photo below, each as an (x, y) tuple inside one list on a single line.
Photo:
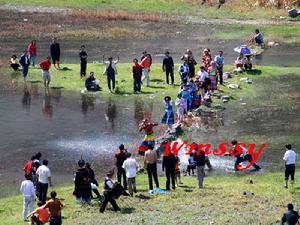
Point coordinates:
[(32, 58), (25, 71)]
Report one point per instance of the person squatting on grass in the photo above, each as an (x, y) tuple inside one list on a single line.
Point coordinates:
[(110, 72), (137, 71), (45, 66), (28, 191), (39, 216), (14, 63), (130, 166), (32, 52), (150, 160), (290, 162), (54, 206), (24, 61), (291, 217), (168, 67), (55, 53), (83, 61), (44, 180)]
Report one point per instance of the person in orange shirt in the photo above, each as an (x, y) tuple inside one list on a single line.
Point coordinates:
[(54, 206), (146, 62), (45, 65), (40, 215)]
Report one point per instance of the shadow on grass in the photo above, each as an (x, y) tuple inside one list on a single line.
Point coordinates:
[(143, 197), (65, 69), (158, 87), (185, 186), (127, 210), (188, 190), (35, 81), (157, 80), (57, 88), (254, 72)]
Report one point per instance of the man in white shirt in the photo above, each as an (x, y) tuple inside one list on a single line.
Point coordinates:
[(130, 165), (290, 162), (44, 178), (28, 191)]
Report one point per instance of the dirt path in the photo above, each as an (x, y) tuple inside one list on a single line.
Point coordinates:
[(187, 19)]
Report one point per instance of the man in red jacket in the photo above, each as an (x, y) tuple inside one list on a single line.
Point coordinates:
[(32, 52), (45, 66)]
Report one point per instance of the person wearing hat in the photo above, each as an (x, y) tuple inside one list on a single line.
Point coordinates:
[(168, 117), (109, 185), (121, 156), (168, 67), (184, 70), (206, 58), (149, 138), (82, 183), (110, 72)]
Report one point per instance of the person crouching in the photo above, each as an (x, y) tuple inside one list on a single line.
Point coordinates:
[(109, 185)]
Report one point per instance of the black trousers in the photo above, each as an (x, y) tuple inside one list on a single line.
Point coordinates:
[(152, 172), (171, 74), (111, 81), (83, 68), (170, 174), (137, 84), (220, 73), (191, 168), (108, 198), (43, 188), (289, 171), (248, 158), (122, 174)]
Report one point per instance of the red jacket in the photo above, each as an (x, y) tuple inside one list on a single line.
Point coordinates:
[(31, 49), (45, 64), (28, 167)]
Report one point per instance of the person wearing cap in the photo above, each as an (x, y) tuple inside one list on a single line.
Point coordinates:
[(168, 117), (184, 70), (146, 62), (110, 72), (82, 183), (109, 185), (28, 191), (290, 162), (45, 66), (219, 59), (121, 156), (168, 67), (55, 53)]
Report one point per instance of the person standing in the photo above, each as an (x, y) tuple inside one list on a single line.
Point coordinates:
[(184, 71), (121, 156), (109, 184), (291, 217), (28, 191), (168, 117), (150, 160), (110, 71), (54, 206), (191, 62), (83, 61), (32, 52), (180, 103), (55, 53), (168, 165), (45, 65), (204, 80), (168, 67), (146, 62), (94, 183), (219, 60), (130, 165), (24, 61), (137, 71), (44, 180), (199, 158), (290, 162), (83, 190)]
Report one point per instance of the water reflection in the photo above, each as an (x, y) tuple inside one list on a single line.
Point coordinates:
[(138, 110), (26, 99), (111, 113), (87, 103), (47, 106), (56, 94)]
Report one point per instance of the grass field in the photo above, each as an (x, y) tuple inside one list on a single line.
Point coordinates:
[(222, 201), (232, 9)]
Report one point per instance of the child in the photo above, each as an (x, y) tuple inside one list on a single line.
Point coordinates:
[(213, 76), (137, 71), (177, 170), (186, 95), (184, 71), (193, 89), (248, 62), (91, 83), (180, 108), (206, 58), (14, 63), (197, 99), (168, 117), (259, 38), (239, 62), (149, 139)]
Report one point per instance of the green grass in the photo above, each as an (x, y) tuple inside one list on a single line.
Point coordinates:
[(70, 80), (220, 202)]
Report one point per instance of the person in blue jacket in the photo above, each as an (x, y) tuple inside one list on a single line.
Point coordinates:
[(24, 61)]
